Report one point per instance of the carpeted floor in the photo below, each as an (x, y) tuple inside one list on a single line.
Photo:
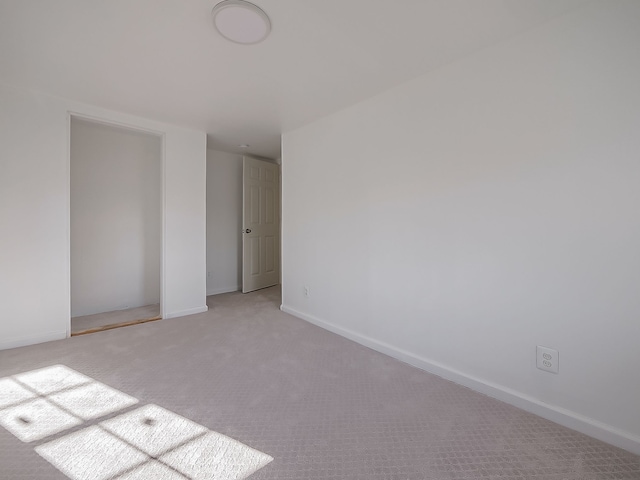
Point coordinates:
[(322, 406)]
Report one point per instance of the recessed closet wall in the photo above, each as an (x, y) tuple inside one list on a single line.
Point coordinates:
[(116, 217)]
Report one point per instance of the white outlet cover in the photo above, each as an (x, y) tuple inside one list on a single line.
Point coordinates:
[(547, 359)]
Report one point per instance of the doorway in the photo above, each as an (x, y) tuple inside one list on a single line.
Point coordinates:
[(227, 194), (116, 225)]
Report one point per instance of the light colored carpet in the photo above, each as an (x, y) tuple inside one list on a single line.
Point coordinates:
[(87, 322), (321, 406)]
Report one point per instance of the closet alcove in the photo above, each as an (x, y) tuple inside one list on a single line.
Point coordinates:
[(116, 225)]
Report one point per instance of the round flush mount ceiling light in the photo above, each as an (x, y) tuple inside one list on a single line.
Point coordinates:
[(241, 22)]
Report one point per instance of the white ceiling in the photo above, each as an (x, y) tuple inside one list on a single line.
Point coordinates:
[(163, 59)]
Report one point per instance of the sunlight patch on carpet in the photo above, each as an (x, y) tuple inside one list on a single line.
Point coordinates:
[(149, 442), (153, 429), (216, 456), (52, 379), (36, 420), (12, 393), (91, 453), (92, 401)]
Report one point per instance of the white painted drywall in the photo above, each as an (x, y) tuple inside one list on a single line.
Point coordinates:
[(185, 223), (116, 218), (224, 222), (34, 214), (461, 219), (34, 221)]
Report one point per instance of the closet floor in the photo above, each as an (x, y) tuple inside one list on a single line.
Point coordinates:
[(118, 318)]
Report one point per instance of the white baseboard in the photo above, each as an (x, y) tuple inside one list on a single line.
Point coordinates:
[(567, 418), (218, 291), (183, 313), (16, 342)]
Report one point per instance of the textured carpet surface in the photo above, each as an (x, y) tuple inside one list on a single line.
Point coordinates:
[(323, 407)]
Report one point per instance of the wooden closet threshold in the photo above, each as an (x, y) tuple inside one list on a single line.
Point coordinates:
[(115, 325)]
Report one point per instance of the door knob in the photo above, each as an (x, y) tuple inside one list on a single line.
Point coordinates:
[(248, 230)]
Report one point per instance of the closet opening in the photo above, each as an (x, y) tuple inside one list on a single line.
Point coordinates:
[(116, 225)]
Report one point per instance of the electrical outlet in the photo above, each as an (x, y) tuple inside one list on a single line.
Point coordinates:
[(306, 291), (547, 359)]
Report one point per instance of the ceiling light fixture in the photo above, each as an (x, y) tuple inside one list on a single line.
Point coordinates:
[(241, 22), (244, 145)]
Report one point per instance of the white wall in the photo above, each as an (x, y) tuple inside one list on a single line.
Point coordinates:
[(461, 219), (116, 218), (224, 222), (34, 214)]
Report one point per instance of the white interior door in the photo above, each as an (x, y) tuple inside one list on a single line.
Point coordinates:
[(261, 225)]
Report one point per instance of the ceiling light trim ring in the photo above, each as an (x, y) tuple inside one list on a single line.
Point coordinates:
[(231, 32)]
